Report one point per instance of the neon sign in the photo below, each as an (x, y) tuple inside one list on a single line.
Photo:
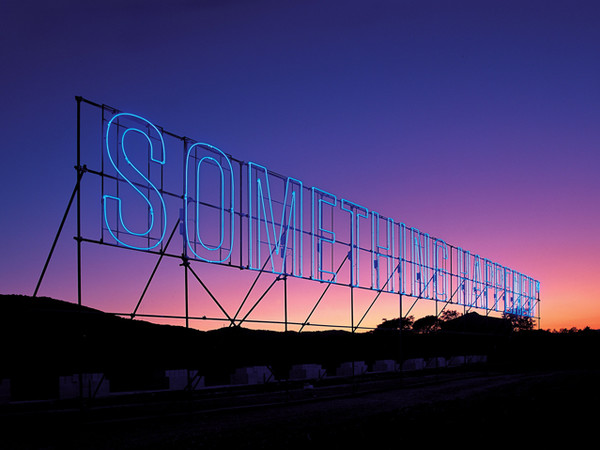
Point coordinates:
[(244, 215), (157, 156), (225, 188)]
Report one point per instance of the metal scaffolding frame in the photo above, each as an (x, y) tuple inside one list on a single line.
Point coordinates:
[(243, 217)]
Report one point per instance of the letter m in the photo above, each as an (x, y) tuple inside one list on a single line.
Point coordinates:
[(278, 242)]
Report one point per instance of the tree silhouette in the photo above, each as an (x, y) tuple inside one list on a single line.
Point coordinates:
[(448, 315), (427, 324), (519, 323), (393, 324)]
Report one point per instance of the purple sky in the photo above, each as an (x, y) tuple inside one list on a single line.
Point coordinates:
[(474, 121)]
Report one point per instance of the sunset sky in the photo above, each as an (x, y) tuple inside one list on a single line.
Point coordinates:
[(474, 121)]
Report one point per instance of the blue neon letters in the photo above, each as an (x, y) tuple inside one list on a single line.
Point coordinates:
[(216, 158), (262, 217), (157, 155), (356, 212), (290, 229), (322, 238)]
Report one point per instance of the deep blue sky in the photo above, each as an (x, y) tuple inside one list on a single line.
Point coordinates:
[(476, 121)]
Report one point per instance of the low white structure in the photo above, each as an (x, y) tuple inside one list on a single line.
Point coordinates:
[(93, 385), (251, 375), (306, 372), (456, 361), (413, 364), (351, 368), (435, 362), (386, 365), (179, 379), (476, 359)]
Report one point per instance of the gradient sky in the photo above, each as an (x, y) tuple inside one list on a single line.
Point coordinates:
[(475, 121)]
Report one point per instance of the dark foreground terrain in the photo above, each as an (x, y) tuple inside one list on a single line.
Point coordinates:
[(472, 409), (537, 388)]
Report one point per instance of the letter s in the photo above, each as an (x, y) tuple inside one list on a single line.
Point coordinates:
[(157, 155)]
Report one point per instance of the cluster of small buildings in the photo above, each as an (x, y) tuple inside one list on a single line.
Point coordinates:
[(97, 385)]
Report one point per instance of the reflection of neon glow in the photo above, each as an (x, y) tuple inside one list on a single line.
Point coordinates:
[(278, 243), (222, 209), (160, 160), (356, 212), (385, 251), (320, 235)]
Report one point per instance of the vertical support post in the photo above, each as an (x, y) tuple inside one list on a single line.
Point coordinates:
[(78, 238), (79, 172), (352, 308), (185, 267), (101, 219), (353, 330), (241, 232), (451, 284), (285, 301), (400, 358), (539, 314), (185, 262)]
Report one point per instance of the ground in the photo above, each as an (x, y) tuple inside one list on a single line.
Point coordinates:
[(471, 408)]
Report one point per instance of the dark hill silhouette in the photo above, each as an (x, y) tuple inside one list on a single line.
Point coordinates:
[(49, 336), (57, 337), (475, 323), (45, 337)]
